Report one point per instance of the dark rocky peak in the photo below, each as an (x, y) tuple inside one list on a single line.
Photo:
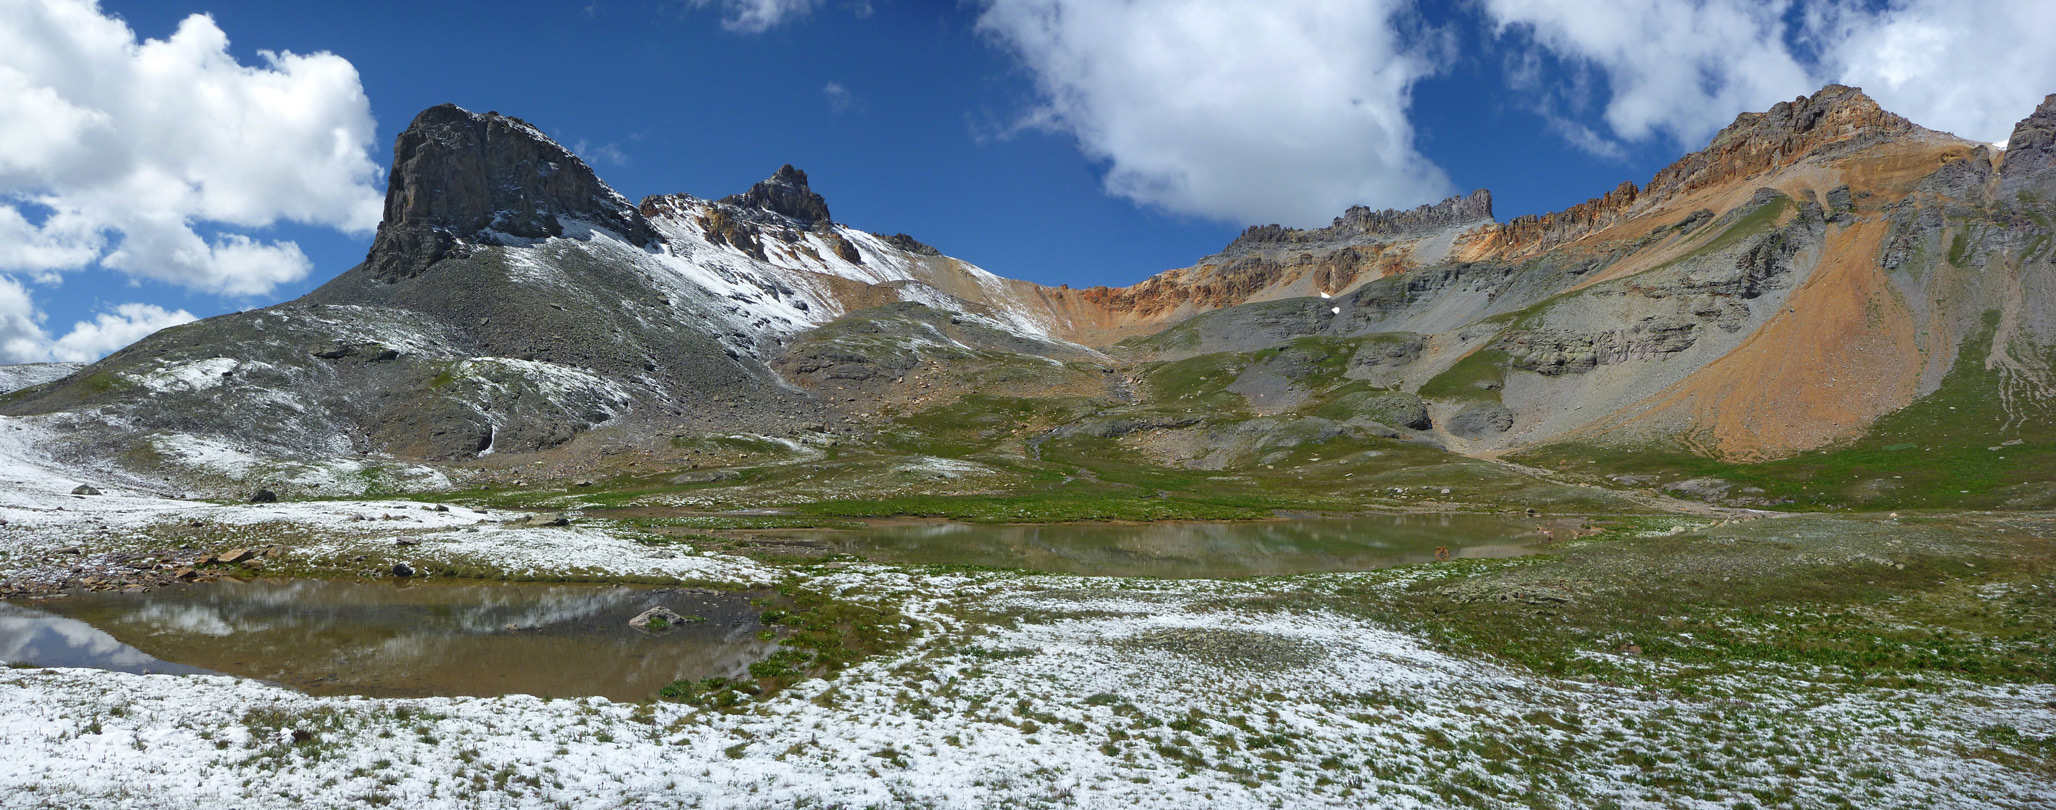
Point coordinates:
[(460, 178), (1836, 119), (1360, 223), (2030, 164), (1461, 210), (785, 194), (908, 244)]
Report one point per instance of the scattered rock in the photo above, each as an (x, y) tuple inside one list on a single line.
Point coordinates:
[(1704, 489), (85, 489), (665, 615), (236, 556), (264, 496)]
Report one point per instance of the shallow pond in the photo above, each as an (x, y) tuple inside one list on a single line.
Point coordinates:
[(1184, 550), (397, 639)]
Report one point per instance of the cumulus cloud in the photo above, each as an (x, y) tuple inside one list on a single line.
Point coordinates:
[(108, 331), (113, 149), (1240, 110), (23, 340), (1974, 69), (1682, 69), (757, 16)]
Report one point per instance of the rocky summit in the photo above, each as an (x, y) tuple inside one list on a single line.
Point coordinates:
[(1824, 277)]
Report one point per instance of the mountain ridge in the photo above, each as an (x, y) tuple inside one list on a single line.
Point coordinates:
[(1817, 268)]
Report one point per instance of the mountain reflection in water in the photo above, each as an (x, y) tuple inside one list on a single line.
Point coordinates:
[(425, 638)]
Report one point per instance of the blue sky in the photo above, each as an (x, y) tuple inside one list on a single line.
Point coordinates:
[(1060, 141)]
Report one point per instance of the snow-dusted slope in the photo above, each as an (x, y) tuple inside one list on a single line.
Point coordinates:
[(794, 274)]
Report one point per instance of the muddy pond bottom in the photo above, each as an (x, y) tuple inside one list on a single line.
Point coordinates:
[(1184, 550), (388, 639)]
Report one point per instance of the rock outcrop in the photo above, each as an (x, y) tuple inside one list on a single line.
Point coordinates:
[(2030, 165), (1360, 222), (461, 178), (1836, 118), (785, 193)]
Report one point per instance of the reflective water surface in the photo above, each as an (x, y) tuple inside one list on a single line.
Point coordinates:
[(1186, 550), (398, 639)]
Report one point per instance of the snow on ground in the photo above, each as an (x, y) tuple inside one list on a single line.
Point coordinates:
[(15, 377), (39, 515), (1021, 691), (195, 376), (1029, 692)]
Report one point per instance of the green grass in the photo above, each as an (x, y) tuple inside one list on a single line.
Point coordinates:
[(1465, 380), (1811, 596), (1754, 223), (819, 635)]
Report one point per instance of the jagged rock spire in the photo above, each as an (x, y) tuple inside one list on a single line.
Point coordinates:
[(785, 193), (2031, 156), (459, 176)]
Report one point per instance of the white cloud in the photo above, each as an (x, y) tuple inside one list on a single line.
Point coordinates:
[(1682, 69), (1239, 110), (111, 143), (757, 16), (840, 99), (108, 331), (22, 339), (600, 153), (1971, 68)]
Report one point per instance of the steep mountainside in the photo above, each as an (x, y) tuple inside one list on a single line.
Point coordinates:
[(1827, 305), (512, 303), (1819, 266)]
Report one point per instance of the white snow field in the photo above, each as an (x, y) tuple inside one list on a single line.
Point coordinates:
[(1034, 691)]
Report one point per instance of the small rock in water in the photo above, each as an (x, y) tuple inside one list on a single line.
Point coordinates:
[(85, 489), (264, 496), (403, 570), (654, 615)]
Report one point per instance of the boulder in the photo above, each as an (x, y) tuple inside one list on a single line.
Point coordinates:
[(1703, 489), (85, 489), (664, 616), (264, 496), (236, 556), (547, 519), (1480, 419), (403, 570)]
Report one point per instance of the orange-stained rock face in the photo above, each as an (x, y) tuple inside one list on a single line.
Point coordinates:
[(1271, 262)]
